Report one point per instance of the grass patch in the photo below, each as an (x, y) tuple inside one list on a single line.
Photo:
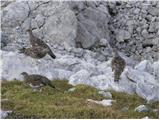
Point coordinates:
[(51, 103)]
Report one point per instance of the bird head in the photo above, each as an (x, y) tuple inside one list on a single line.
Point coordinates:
[(24, 74), (115, 52)]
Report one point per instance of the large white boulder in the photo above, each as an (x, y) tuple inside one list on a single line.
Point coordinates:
[(54, 22), (144, 65), (81, 77), (14, 63)]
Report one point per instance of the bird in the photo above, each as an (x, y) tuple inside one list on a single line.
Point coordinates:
[(118, 64), (35, 41), (36, 82), (36, 52)]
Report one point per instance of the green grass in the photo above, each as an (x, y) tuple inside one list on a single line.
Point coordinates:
[(52, 103)]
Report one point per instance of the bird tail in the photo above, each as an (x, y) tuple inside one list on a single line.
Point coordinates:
[(51, 85), (51, 54)]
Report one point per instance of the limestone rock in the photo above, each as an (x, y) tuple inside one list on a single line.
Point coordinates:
[(141, 108), (123, 35), (103, 102), (4, 114), (72, 89), (54, 22), (80, 77), (92, 26), (153, 27), (105, 94)]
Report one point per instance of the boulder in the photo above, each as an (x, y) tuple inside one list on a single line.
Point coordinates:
[(55, 23), (80, 77), (4, 114), (92, 26), (148, 92), (144, 65)]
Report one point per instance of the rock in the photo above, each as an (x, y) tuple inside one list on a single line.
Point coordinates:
[(145, 33), (85, 35), (123, 35), (148, 92), (153, 27), (72, 89), (103, 102), (146, 84), (92, 26), (140, 76), (144, 65), (125, 109), (155, 67), (4, 114), (145, 117), (4, 39), (105, 94), (142, 108), (20, 63), (76, 6), (136, 11), (80, 78), (153, 11), (54, 22)]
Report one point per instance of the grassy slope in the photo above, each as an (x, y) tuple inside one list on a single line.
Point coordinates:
[(54, 104)]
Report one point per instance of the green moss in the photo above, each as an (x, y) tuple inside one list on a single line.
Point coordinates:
[(51, 103)]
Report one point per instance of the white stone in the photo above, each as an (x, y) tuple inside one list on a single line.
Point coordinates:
[(144, 65), (146, 117), (141, 108), (80, 77), (72, 89), (148, 92), (107, 102), (4, 114), (140, 76)]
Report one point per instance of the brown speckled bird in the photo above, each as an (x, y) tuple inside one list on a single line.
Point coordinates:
[(118, 65), (35, 52), (38, 42), (36, 82)]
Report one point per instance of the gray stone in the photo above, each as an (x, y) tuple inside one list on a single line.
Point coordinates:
[(92, 26), (145, 33), (136, 11), (153, 27), (105, 94), (153, 11), (144, 65), (4, 114), (125, 109), (4, 39), (123, 35)]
